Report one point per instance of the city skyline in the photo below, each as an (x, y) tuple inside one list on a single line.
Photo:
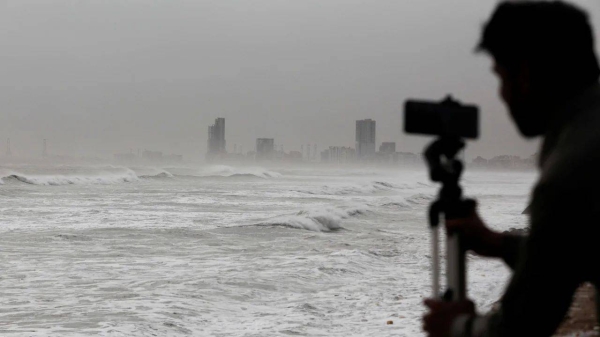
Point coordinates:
[(299, 72)]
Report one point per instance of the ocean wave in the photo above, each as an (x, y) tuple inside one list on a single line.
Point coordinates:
[(396, 204), (420, 199), (370, 188), (318, 220), (59, 180), (224, 171), (384, 185), (235, 175), (73, 175), (163, 174)]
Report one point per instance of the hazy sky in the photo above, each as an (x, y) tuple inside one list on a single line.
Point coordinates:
[(104, 76)]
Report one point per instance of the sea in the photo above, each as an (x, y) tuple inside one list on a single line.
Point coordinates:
[(217, 250)]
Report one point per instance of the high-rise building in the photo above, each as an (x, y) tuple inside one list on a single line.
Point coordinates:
[(387, 147), (365, 138), (265, 148), (216, 138)]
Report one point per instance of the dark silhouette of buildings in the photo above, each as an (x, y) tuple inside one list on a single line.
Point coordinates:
[(506, 162), (365, 138), (216, 139), (338, 154), (387, 147), (265, 148)]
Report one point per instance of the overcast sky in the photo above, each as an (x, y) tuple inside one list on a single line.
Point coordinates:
[(104, 76)]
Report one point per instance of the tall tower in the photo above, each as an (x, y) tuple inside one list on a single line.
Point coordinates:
[(315, 152), (216, 138), (45, 150), (8, 152), (365, 138)]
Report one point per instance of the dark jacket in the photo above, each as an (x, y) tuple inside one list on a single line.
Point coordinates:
[(562, 249)]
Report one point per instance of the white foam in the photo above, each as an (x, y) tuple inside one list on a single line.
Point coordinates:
[(226, 172), (318, 220), (176, 257), (159, 174), (58, 180), (355, 189)]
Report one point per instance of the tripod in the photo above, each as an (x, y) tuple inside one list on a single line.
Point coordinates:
[(446, 169)]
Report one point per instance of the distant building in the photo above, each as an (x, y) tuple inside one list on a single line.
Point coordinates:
[(338, 154), (408, 158), (216, 139), (480, 161), (506, 162), (152, 155), (387, 147), (365, 138), (325, 156), (265, 148), (295, 156)]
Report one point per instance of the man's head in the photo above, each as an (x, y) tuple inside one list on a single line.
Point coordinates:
[(543, 54)]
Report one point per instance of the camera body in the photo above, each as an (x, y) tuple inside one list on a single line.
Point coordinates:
[(447, 118)]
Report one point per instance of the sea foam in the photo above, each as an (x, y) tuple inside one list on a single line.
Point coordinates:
[(58, 180), (224, 171), (317, 220)]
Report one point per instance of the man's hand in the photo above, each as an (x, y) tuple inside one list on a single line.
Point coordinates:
[(438, 321), (477, 236)]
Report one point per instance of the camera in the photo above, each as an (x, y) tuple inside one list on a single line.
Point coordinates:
[(447, 118), (451, 121)]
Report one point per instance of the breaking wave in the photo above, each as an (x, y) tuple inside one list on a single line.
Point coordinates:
[(58, 180), (224, 171), (321, 220), (163, 174), (57, 176), (370, 188)]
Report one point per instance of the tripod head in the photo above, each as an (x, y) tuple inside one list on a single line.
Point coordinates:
[(444, 167)]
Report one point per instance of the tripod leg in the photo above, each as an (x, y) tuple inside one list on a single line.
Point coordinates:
[(435, 261), (456, 268)]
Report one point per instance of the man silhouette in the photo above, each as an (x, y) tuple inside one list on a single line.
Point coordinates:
[(544, 57)]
